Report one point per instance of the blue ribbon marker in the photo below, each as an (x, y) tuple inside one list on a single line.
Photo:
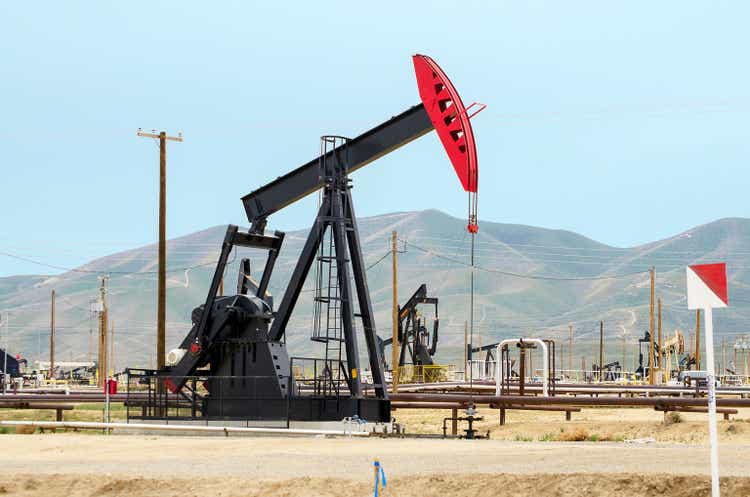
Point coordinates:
[(379, 472)]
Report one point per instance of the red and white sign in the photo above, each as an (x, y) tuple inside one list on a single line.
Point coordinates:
[(707, 286), (706, 289)]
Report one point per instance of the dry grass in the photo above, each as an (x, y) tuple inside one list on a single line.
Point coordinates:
[(81, 412), (578, 434), (601, 424)]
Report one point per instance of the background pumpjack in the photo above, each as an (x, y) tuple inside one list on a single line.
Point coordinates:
[(417, 345)]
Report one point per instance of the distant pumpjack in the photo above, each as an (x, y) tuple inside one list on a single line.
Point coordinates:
[(417, 345)]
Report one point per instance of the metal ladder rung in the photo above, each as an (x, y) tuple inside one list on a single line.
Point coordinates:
[(329, 259), (327, 300)]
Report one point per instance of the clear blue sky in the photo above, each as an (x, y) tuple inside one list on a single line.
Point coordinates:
[(624, 121)]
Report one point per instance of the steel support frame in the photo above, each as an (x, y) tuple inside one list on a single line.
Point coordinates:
[(337, 213)]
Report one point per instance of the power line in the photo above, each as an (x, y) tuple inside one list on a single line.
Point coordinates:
[(378, 261), (71, 304), (495, 241), (502, 252), (89, 271), (525, 276)]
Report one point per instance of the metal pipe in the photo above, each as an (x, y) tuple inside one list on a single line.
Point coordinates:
[(576, 401), (726, 410), (429, 405), (209, 429), (578, 388), (537, 408)]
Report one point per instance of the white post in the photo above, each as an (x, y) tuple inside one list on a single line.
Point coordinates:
[(710, 378), (499, 366)]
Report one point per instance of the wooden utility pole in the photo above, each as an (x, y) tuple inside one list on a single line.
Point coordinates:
[(394, 310), (723, 357), (583, 367), (601, 350), (91, 330), (161, 318), (651, 329), (102, 358), (52, 338), (112, 349), (691, 343), (562, 355), (660, 352), (698, 340), (570, 348)]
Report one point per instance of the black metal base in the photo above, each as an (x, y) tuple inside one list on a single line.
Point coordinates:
[(299, 409), (321, 409)]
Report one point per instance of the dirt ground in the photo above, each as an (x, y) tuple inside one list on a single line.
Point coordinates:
[(524, 457), (502, 485), (77, 465)]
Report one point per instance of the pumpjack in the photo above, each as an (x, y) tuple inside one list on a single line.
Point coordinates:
[(413, 335), (609, 372), (237, 343), (644, 370), (489, 351)]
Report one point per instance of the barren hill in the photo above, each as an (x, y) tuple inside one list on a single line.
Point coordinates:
[(529, 281)]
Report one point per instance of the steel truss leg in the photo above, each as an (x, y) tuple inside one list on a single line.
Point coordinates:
[(339, 228), (306, 258), (363, 294)]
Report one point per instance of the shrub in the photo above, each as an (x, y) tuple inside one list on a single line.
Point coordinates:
[(672, 418), (577, 435)]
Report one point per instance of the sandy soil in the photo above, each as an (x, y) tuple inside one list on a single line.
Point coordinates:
[(418, 486), (86, 465)]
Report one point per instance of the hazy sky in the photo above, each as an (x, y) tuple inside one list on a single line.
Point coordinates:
[(624, 121)]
